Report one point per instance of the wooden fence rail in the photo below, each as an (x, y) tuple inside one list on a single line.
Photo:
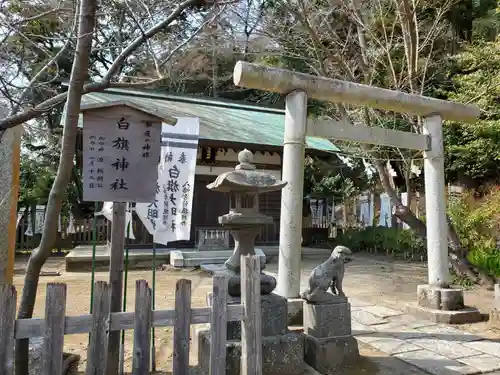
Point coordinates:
[(55, 325)]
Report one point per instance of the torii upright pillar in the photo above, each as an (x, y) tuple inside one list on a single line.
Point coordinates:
[(290, 246), (435, 203), (436, 300)]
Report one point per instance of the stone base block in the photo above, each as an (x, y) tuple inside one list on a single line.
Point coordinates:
[(494, 321), (327, 320), (283, 354), (327, 355), (436, 298), (295, 311), (272, 306), (186, 258), (463, 316), (497, 296)]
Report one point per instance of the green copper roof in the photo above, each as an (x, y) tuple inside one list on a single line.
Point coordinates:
[(219, 120)]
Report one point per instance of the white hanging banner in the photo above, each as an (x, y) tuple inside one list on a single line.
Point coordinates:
[(20, 215), (372, 208), (168, 217), (29, 230), (39, 219), (341, 209), (71, 224), (404, 200), (385, 219), (128, 222), (107, 212), (364, 211), (316, 206), (59, 224), (331, 211)]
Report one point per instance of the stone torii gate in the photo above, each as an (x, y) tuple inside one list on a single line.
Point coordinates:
[(299, 87)]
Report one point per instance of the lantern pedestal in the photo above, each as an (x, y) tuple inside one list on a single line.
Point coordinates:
[(282, 349), (244, 229)]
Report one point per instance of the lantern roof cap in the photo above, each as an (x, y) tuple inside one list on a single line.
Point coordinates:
[(245, 178)]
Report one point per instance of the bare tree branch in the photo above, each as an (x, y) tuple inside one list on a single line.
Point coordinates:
[(52, 61), (192, 36), (106, 82)]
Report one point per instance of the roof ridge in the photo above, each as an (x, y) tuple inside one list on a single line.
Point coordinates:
[(213, 102), (226, 123)]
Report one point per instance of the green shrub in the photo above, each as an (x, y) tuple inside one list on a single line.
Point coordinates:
[(382, 240), (476, 222)]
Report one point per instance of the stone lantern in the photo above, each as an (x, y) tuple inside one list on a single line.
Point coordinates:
[(244, 220), (283, 350)]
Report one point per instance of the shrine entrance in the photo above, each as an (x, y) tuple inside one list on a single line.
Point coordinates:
[(300, 87)]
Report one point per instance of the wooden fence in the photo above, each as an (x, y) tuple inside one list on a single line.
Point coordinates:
[(56, 325), (83, 234)]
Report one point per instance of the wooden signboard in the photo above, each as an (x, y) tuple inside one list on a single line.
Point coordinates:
[(121, 151)]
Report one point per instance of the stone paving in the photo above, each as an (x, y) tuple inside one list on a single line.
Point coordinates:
[(436, 348)]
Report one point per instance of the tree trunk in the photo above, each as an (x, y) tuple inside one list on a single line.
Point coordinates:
[(39, 255), (457, 253)]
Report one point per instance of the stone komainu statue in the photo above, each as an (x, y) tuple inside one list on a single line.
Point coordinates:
[(328, 274)]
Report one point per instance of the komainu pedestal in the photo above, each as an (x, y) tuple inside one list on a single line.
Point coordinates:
[(282, 350), (328, 340)]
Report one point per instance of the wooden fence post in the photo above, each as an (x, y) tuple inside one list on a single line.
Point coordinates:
[(97, 351), (116, 282), (251, 329), (8, 301), (142, 329), (53, 341), (181, 328), (218, 326)]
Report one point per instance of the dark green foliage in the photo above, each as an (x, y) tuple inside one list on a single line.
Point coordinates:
[(383, 240), (331, 178), (477, 223), (472, 150), (486, 258)]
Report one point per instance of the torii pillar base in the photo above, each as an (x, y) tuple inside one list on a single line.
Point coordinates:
[(443, 305)]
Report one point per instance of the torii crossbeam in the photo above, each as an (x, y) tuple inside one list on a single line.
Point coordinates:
[(300, 86)]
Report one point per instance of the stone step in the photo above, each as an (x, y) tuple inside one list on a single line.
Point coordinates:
[(181, 258)]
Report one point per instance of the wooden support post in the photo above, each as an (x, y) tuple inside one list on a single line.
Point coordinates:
[(53, 340), (218, 325), (180, 365), (142, 330), (98, 345), (10, 160), (116, 281), (8, 302), (251, 326)]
